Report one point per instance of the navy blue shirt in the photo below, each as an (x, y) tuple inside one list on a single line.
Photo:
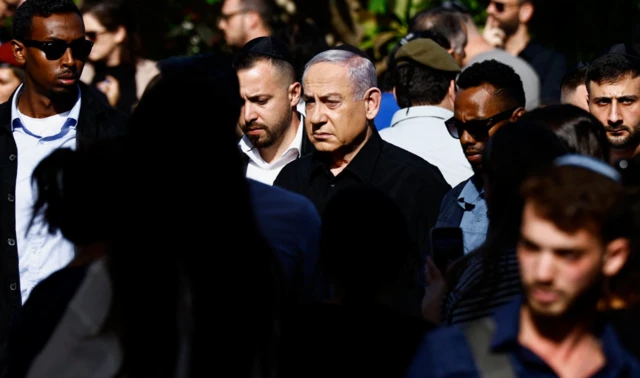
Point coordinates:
[(291, 225), (445, 352)]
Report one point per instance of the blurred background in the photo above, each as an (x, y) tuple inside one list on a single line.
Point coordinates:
[(578, 28)]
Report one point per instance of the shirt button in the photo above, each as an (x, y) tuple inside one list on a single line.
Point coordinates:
[(478, 219), (12, 157), (11, 242), (10, 198), (13, 286), (332, 185)]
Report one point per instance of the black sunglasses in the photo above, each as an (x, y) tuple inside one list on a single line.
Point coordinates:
[(500, 7), (54, 50), (477, 128)]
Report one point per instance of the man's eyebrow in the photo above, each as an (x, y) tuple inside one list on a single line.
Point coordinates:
[(628, 97), (331, 95), (259, 95)]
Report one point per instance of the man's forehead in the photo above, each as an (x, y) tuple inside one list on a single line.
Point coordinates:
[(626, 86), (63, 26)]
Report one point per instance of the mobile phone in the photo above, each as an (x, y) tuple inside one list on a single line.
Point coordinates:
[(446, 246)]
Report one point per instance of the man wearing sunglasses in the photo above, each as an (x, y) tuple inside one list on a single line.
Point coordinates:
[(244, 20), (52, 109), (508, 27), (490, 95)]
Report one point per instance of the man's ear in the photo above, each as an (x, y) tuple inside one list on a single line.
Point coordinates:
[(526, 12), (452, 91), (18, 51), (120, 34), (394, 94), (295, 91), (372, 100), (517, 114), (616, 254)]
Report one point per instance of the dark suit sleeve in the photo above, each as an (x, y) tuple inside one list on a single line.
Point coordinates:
[(427, 199)]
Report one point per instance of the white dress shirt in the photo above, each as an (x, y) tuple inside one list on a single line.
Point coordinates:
[(39, 253), (266, 173), (421, 131)]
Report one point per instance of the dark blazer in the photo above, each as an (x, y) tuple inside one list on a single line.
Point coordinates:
[(96, 120)]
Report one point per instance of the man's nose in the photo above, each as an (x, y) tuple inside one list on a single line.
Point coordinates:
[(544, 270), (467, 139), (67, 57), (614, 118)]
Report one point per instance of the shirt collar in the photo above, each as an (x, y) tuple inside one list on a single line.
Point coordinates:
[(421, 111), (470, 194), (505, 336), (363, 163), (74, 113)]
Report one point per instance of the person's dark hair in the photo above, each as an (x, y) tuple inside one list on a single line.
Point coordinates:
[(611, 68), (23, 18), (247, 61), (349, 215), (165, 251), (573, 79), (512, 154), (79, 192), (574, 197), (445, 22), (115, 13), (579, 129), (506, 82), (416, 84)]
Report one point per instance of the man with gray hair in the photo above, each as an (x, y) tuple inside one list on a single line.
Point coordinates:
[(342, 100)]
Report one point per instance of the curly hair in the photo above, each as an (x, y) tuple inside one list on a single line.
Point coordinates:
[(508, 85), (23, 19)]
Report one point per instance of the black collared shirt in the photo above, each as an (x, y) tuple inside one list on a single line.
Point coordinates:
[(415, 185)]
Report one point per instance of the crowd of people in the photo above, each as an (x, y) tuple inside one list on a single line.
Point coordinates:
[(471, 212)]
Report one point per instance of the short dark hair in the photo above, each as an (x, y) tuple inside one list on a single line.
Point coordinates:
[(579, 129), (508, 85), (573, 197), (573, 79), (247, 61), (420, 85), (612, 67), (446, 22), (23, 19)]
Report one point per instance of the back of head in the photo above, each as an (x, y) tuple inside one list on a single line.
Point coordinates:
[(265, 8), (423, 73), (573, 79), (611, 68), (23, 18), (446, 22), (183, 171), (512, 154), (364, 241), (506, 82), (579, 129), (80, 192), (361, 74)]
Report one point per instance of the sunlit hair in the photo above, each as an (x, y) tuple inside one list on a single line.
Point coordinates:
[(362, 73)]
